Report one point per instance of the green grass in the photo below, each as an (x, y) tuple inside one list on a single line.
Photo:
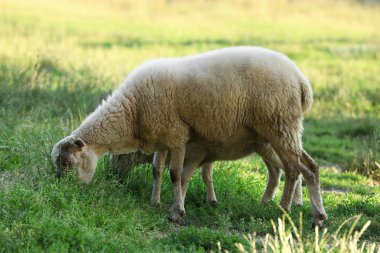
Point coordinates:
[(59, 59)]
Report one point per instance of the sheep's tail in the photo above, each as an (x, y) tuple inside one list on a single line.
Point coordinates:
[(306, 94)]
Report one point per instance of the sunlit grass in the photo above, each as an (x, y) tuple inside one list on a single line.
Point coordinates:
[(285, 239)]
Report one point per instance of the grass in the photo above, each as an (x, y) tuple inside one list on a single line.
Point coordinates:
[(291, 240), (58, 59)]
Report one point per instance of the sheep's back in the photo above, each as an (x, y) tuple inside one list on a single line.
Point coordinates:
[(217, 93), (220, 92)]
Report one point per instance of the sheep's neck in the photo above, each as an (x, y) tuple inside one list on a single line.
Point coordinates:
[(110, 127)]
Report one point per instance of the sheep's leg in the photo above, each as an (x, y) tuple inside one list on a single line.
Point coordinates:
[(188, 171), (158, 169), (176, 165), (297, 197), (207, 178), (272, 184), (310, 171), (194, 156), (291, 163), (291, 176), (273, 164)]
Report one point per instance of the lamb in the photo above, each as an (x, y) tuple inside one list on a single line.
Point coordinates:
[(200, 153), (163, 103)]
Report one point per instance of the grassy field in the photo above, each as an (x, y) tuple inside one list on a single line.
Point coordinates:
[(58, 59)]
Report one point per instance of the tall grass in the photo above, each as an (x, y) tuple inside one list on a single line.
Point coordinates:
[(367, 160), (285, 239)]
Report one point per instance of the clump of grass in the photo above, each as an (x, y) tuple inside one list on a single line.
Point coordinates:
[(367, 160), (286, 239), (204, 238)]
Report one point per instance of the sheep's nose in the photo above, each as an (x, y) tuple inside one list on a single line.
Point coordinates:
[(59, 172)]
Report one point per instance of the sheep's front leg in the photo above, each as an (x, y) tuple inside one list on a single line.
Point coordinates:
[(158, 169), (176, 164)]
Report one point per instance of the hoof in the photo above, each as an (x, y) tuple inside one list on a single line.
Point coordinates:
[(174, 217), (266, 201), (297, 203), (286, 208), (175, 209), (212, 203), (318, 220), (318, 225), (155, 203)]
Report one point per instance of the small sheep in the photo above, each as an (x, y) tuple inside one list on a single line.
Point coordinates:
[(163, 103), (200, 153)]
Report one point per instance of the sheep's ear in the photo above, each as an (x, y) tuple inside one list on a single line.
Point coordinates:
[(78, 143)]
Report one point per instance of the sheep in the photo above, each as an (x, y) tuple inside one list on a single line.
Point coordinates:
[(200, 153), (162, 103)]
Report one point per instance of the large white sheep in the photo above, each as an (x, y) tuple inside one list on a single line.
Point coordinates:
[(161, 104)]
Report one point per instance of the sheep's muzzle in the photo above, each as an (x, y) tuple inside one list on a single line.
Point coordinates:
[(59, 171), (62, 169)]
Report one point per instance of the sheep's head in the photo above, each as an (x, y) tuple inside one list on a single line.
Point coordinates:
[(69, 153)]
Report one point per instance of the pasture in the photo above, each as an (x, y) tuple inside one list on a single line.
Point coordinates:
[(59, 59)]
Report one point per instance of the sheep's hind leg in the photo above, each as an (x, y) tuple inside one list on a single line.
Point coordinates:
[(189, 168), (274, 174), (297, 197), (176, 165), (273, 163), (158, 169), (291, 163), (207, 178), (273, 183), (194, 156), (310, 171), (188, 171)]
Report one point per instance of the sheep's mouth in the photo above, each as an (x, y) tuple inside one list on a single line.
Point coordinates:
[(61, 170)]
